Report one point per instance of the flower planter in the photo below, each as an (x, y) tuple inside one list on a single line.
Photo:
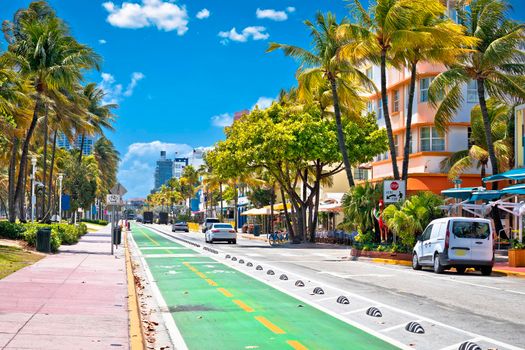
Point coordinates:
[(517, 257), (381, 255)]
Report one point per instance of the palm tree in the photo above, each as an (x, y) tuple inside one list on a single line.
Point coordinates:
[(107, 158), (496, 65), (500, 115), (99, 114), (359, 204), (442, 42), (378, 32), (45, 53), (323, 64)]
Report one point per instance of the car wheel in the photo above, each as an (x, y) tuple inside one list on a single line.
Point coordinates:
[(486, 270), (415, 262), (234, 241), (210, 241), (461, 270), (438, 268)]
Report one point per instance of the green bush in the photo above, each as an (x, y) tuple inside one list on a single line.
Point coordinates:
[(11, 230), (96, 222), (30, 234), (68, 234), (56, 241), (82, 229), (365, 238)]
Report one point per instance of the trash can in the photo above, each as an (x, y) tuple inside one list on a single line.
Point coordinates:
[(117, 235), (256, 230), (43, 240)]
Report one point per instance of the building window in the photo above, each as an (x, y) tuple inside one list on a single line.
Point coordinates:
[(396, 101), (361, 174), (370, 73), (396, 144), (423, 89), (430, 141), (380, 114), (369, 107), (472, 91), (411, 144), (469, 138)]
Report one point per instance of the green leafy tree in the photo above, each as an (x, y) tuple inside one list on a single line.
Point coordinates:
[(477, 155), (322, 66), (359, 205), (495, 64), (410, 219)]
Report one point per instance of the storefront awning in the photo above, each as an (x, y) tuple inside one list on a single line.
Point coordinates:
[(460, 193), (514, 175)]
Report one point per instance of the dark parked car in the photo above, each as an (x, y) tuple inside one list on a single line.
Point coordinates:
[(180, 226), (148, 217)]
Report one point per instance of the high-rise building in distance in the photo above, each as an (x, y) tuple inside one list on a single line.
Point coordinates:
[(163, 171), (87, 147)]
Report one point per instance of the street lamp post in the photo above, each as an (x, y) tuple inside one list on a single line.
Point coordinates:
[(33, 172), (60, 178)]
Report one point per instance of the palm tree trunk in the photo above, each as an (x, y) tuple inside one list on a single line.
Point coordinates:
[(11, 186), (20, 185), (386, 115), (408, 126), (44, 168), (220, 196), (483, 172), (340, 133), (50, 183), (488, 129), (235, 212), (289, 225), (82, 140)]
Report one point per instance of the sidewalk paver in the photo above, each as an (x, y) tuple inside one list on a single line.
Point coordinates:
[(76, 299)]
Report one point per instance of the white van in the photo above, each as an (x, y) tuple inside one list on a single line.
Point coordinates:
[(457, 242)]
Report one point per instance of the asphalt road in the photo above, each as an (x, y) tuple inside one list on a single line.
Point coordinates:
[(451, 308)]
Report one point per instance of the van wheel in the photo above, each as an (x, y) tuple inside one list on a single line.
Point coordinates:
[(486, 270), (438, 268), (461, 270), (415, 262)]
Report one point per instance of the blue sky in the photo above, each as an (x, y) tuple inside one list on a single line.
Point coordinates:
[(179, 78)]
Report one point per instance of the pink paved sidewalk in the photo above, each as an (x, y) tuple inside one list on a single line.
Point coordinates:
[(76, 299)]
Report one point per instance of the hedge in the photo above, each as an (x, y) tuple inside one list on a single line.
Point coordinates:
[(96, 222), (60, 233)]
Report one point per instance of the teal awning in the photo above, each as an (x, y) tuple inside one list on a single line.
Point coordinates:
[(514, 174), (518, 190), (488, 195), (460, 193)]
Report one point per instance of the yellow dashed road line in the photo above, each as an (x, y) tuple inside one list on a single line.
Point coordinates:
[(269, 325), (225, 292), (296, 345), (243, 306), (211, 282), (201, 275), (148, 237)]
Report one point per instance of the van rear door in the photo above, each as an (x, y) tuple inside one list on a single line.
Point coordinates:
[(460, 243), (482, 247)]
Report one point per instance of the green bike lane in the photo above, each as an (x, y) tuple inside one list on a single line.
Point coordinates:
[(217, 307)]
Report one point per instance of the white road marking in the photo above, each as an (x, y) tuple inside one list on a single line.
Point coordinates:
[(431, 275), (456, 346), (401, 325), (173, 330), (354, 311), (356, 296), (170, 255), (161, 248)]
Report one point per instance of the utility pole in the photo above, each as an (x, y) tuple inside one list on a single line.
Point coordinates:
[(33, 179)]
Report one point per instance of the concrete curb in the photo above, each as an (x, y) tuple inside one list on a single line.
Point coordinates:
[(136, 337), (391, 261), (510, 273), (409, 263)]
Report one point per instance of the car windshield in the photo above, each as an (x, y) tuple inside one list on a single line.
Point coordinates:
[(180, 223), (222, 226), (208, 221), (471, 229)]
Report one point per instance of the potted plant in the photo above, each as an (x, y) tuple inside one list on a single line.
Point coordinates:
[(517, 254)]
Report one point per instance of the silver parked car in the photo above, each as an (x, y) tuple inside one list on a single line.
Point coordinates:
[(180, 226)]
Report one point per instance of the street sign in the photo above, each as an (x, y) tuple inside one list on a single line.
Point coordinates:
[(394, 191), (119, 189), (113, 199)]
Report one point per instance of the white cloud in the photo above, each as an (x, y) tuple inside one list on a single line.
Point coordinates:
[(202, 14), (222, 120), (165, 15), (135, 78), (255, 33), (290, 9), (115, 91), (272, 14), (140, 159), (263, 102), (102, 41)]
